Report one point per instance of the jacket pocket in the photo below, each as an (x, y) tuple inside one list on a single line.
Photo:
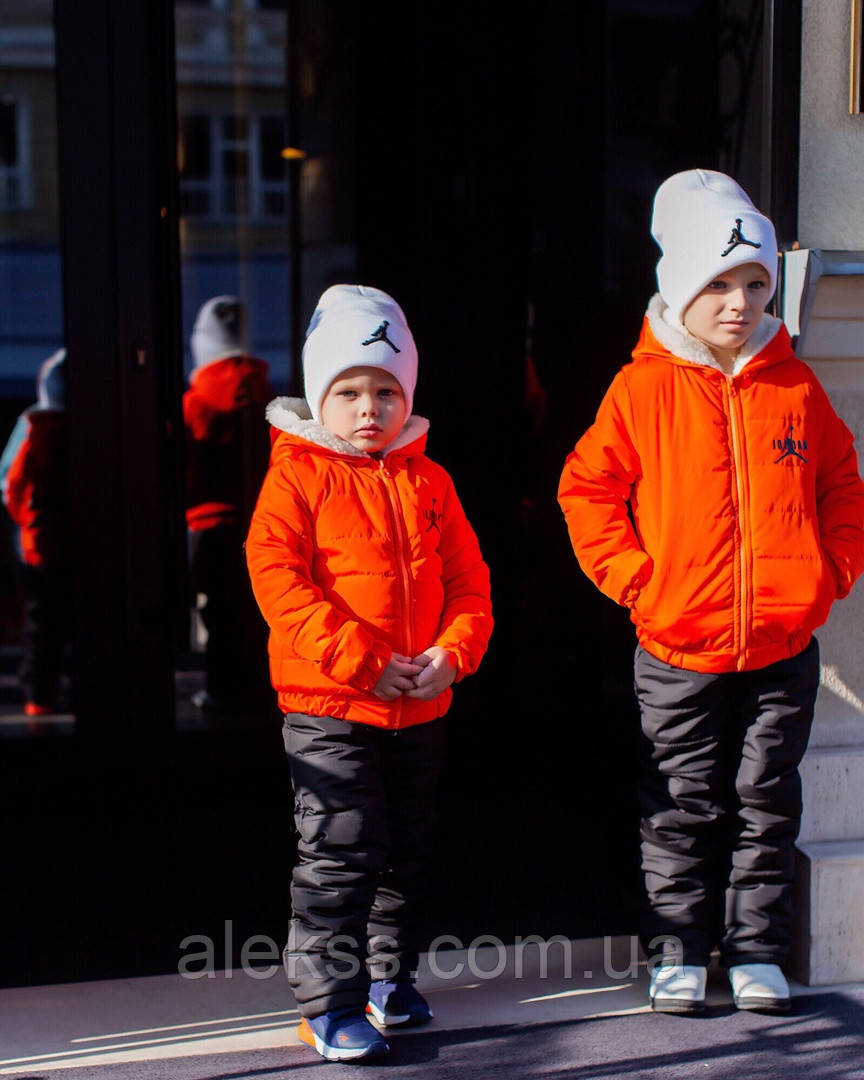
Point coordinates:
[(684, 608)]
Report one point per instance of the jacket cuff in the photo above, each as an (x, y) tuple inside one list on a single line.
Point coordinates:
[(636, 584), (373, 665)]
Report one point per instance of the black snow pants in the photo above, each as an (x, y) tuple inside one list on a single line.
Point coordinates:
[(47, 629), (364, 808), (236, 669), (720, 799)]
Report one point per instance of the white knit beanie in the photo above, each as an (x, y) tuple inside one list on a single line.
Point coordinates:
[(705, 224), (353, 326), (219, 331)]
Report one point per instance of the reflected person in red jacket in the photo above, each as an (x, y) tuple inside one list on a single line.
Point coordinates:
[(227, 450), (35, 488)]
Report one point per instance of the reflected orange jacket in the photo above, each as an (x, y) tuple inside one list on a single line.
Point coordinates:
[(226, 440), (726, 512), (36, 490), (353, 558)]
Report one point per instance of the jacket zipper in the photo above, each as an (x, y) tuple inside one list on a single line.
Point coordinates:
[(403, 556), (743, 530)]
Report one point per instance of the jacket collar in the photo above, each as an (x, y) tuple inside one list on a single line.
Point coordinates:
[(292, 416), (675, 337)]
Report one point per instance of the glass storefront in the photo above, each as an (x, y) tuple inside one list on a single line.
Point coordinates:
[(36, 618), (263, 230)]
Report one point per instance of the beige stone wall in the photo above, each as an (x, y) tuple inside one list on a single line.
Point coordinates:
[(831, 203), (829, 928), (833, 345)]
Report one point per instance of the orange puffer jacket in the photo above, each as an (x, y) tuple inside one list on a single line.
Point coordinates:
[(353, 558), (726, 511)]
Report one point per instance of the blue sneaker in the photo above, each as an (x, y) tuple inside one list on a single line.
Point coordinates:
[(342, 1035), (397, 1002)]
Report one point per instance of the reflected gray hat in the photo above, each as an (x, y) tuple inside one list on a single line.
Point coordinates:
[(51, 381), (219, 331)]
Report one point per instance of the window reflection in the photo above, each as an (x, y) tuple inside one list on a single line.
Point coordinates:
[(227, 449), (35, 686), (268, 232)]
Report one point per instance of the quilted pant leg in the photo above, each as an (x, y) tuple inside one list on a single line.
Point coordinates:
[(685, 788), (339, 813), (775, 712), (411, 762), (46, 629)]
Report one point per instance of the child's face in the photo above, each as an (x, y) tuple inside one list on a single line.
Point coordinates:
[(366, 407), (728, 310)]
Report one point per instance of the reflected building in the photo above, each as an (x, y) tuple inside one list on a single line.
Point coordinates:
[(246, 94), (30, 291)]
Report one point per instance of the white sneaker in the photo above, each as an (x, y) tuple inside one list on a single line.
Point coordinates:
[(678, 988), (759, 986)]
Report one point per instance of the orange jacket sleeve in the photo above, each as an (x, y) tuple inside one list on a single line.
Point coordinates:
[(595, 487), (840, 500), (19, 485), (279, 556), (466, 621)]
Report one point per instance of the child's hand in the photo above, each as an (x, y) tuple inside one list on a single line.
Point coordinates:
[(397, 677), (438, 670)]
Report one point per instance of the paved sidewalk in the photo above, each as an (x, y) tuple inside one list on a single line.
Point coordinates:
[(575, 1010)]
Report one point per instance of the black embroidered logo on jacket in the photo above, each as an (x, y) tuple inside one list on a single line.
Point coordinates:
[(790, 447), (737, 238), (381, 335), (433, 517)]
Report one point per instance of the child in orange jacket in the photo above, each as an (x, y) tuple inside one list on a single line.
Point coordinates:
[(717, 496), (377, 598)]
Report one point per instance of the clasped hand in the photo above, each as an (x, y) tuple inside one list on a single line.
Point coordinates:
[(424, 677)]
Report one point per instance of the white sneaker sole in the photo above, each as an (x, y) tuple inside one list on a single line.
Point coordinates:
[(395, 1021), (383, 1019), (332, 1053), (763, 1004), (676, 1005)]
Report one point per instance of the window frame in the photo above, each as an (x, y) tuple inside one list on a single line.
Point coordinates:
[(21, 173), (214, 185)]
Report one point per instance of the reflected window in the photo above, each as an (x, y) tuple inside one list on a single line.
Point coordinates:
[(231, 167), (15, 188), (262, 234)]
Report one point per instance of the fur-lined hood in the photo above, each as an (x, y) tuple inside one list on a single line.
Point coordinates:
[(681, 343), (292, 415)]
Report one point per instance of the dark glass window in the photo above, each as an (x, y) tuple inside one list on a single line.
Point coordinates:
[(273, 203), (235, 127), (194, 201), (35, 621), (195, 157), (272, 140), (235, 163), (8, 132)]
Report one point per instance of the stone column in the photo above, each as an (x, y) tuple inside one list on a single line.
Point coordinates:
[(829, 947), (830, 903)]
